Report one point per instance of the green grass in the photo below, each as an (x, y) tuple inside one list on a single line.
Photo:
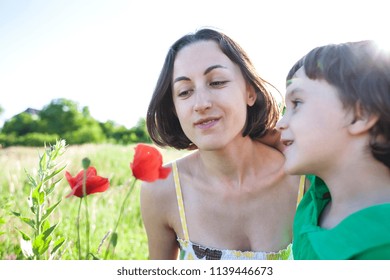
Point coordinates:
[(112, 161)]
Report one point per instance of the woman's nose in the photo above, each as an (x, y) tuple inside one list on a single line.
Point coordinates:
[(202, 100)]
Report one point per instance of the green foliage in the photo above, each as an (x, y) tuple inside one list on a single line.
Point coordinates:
[(36, 244), (139, 133), (37, 139), (33, 139), (5, 245), (87, 134), (7, 140), (62, 115), (122, 135), (64, 118), (21, 124), (111, 161)]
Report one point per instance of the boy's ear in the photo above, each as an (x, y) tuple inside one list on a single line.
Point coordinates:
[(363, 120)]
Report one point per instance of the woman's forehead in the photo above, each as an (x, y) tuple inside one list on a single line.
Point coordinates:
[(199, 56)]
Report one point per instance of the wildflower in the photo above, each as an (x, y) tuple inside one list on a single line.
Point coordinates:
[(86, 182), (147, 164), (93, 183)]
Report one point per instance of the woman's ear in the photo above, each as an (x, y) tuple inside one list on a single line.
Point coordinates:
[(251, 95), (363, 120)]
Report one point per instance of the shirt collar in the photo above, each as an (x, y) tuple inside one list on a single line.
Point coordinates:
[(367, 228)]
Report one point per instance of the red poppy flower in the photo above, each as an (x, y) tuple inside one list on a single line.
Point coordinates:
[(94, 183), (147, 164)]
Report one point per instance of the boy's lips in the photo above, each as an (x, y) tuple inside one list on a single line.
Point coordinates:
[(287, 142)]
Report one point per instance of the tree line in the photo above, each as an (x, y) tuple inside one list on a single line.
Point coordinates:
[(65, 119)]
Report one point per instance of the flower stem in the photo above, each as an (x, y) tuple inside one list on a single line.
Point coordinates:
[(86, 211), (119, 217), (87, 227), (78, 230)]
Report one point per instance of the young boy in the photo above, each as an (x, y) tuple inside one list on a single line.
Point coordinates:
[(337, 127)]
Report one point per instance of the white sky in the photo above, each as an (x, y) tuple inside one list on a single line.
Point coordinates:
[(99, 52)]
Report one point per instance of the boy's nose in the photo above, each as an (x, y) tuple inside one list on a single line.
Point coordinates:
[(281, 124)]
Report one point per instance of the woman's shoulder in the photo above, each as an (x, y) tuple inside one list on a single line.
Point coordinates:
[(272, 162), (157, 199), (271, 155), (184, 165), (160, 186), (165, 188)]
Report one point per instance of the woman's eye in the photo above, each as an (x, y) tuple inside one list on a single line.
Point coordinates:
[(184, 93), (217, 83)]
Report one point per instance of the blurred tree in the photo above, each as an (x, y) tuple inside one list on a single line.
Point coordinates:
[(91, 132), (61, 116), (114, 132), (1, 112), (21, 124), (140, 132)]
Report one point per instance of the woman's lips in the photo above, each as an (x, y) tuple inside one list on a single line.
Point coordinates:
[(206, 123)]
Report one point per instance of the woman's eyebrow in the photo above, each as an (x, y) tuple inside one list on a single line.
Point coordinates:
[(181, 78), (211, 68), (208, 70)]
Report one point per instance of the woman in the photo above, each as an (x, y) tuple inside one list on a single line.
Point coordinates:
[(230, 198)]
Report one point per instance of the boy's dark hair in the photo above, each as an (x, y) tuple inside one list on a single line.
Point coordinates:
[(161, 121), (361, 73)]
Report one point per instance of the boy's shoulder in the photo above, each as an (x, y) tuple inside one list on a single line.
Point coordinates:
[(364, 231)]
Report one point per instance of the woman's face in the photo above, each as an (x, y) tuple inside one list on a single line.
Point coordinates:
[(210, 95)]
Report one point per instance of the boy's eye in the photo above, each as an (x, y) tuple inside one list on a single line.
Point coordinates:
[(296, 102)]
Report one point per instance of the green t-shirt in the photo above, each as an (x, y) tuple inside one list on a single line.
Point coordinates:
[(363, 235)]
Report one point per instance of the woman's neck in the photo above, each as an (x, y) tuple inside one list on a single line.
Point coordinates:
[(235, 162)]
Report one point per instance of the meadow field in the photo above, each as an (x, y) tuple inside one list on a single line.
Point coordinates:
[(111, 161)]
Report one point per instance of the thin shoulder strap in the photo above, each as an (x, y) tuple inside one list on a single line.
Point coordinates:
[(301, 189), (180, 203)]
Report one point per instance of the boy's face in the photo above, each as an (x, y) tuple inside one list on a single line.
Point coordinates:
[(313, 128)]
